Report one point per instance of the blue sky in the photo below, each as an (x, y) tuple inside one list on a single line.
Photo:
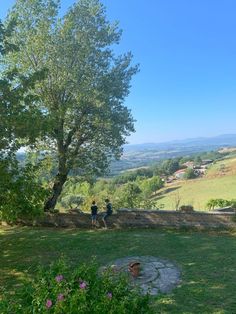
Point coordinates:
[(187, 54)]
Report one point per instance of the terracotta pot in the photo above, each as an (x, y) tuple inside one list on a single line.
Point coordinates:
[(134, 268)]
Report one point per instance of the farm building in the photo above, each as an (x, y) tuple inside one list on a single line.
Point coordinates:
[(179, 174)]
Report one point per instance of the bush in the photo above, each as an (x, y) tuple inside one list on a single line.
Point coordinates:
[(149, 204), (220, 203), (72, 201), (21, 195), (190, 174), (129, 195), (186, 208), (59, 290)]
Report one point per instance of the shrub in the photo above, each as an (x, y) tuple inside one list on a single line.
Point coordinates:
[(129, 195), (21, 195), (186, 208), (61, 290), (190, 174), (149, 204), (72, 201), (220, 203)]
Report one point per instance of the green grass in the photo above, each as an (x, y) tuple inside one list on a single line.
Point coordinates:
[(207, 260), (197, 192)]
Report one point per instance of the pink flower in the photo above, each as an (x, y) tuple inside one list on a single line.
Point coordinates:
[(83, 285), (48, 304), (59, 278), (109, 295), (60, 297)]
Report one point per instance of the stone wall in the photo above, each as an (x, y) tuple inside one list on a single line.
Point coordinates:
[(143, 218)]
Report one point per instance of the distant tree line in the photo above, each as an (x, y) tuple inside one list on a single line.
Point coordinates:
[(136, 193)]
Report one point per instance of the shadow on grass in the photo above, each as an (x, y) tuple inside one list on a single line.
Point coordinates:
[(168, 190), (162, 194), (196, 297)]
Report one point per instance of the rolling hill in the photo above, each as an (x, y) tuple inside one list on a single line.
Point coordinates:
[(219, 182), (140, 155)]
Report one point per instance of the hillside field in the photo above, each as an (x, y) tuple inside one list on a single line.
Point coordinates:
[(219, 182)]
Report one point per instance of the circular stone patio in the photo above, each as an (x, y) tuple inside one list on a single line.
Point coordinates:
[(156, 275)]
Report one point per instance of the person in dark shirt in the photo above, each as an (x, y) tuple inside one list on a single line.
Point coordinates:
[(94, 212), (108, 212)]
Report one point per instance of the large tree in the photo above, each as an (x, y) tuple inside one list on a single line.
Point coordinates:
[(86, 85)]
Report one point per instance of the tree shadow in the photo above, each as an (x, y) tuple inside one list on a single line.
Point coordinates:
[(168, 190)]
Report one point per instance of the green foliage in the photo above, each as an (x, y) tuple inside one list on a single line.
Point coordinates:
[(71, 201), (169, 166), (131, 194), (220, 203), (21, 195), (214, 155), (150, 186), (129, 176), (60, 290), (147, 203), (80, 194), (76, 194), (21, 120), (189, 174), (128, 195)]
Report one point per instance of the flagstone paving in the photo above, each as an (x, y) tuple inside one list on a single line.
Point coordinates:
[(156, 275)]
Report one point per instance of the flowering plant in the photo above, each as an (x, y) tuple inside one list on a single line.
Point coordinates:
[(60, 290)]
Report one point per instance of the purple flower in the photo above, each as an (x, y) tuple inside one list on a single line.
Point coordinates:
[(83, 285), (60, 297), (48, 304), (59, 278), (109, 295)]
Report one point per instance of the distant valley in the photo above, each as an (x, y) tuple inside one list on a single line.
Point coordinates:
[(141, 155)]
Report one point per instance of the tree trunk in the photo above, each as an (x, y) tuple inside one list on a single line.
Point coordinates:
[(63, 169), (56, 192)]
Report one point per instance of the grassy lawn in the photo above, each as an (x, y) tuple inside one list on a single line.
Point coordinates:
[(218, 183), (207, 260)]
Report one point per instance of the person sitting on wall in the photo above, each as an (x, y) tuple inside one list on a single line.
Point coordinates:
[(108, 212), (94, 212)]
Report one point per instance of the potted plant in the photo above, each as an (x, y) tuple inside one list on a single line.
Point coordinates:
[(134, 268)]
